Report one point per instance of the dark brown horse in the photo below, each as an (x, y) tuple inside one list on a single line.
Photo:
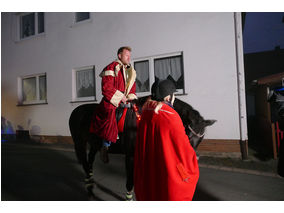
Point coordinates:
[(79, 124)]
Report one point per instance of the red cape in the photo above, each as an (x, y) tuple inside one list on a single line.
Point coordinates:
[(165, 164), (103, 122)]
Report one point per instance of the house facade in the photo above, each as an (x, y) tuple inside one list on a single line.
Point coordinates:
[(51, 64)]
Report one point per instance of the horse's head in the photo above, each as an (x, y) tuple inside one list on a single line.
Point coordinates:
[(193, 122), (196, 131)]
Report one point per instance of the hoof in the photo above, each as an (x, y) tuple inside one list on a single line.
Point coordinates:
[(129, 196), (90, 174), (89, 181)]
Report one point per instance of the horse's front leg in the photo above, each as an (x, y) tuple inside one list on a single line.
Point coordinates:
[(129, 163)]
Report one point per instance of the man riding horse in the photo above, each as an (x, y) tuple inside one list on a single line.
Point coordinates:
[(118, 86)]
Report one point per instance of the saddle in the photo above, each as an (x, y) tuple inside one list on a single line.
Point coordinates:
[(120, 114)]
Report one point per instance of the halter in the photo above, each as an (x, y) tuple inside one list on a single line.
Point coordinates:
[(196, 134)]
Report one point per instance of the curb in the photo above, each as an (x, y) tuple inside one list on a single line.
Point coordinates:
[(239, 170)]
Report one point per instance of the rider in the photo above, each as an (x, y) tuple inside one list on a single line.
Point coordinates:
[(118, 86), (165, 164)]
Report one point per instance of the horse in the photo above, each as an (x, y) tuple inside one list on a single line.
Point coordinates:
[(79, 124)]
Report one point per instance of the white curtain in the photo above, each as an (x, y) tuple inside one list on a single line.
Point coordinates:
[(85, 83), (166, 67), (29, 89), (142, 78)]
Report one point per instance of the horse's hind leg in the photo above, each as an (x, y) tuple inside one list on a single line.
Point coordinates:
[(129, 162), (89, 167), (94, 143), (80, 145), (94, 147)]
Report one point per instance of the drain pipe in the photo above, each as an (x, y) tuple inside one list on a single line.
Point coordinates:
[(241, 85)]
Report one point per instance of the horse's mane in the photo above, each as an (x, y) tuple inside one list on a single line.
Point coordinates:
[(186, 111)]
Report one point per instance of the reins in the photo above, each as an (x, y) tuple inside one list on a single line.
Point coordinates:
[(196, 134)]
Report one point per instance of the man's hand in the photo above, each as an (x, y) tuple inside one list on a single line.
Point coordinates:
[(124, 99)]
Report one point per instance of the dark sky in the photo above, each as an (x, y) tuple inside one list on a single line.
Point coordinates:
[(263, 31)]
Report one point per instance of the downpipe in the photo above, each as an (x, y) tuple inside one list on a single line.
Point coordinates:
[(241, 85)]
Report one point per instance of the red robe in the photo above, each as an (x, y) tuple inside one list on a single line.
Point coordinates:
[(165, 164), (114, 86)]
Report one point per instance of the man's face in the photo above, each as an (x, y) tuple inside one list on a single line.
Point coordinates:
[(125, 57)]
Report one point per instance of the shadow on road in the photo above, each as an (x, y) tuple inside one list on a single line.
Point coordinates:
[(37, 173), (202, 195), (34, 173)]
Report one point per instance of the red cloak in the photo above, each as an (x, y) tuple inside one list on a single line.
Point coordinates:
[(114, 86), (165, 164)]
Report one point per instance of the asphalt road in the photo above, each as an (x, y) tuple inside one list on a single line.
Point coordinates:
[(46, 173)]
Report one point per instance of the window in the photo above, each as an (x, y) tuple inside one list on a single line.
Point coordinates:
[(31, 24), (142, 78), (32, 89), (161, 67), (82, 16), (84, 84)]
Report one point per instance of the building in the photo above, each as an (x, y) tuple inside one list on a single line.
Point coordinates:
[(50, 61)]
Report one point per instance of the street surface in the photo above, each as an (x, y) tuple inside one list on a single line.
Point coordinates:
[(46, 173)]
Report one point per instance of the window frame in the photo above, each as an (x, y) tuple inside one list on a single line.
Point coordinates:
[(19, 16), (21, 102), (74, 86), (151, 60)]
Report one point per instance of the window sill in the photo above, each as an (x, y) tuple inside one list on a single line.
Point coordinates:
[(75, 24), (82, 101), (29, 104), (30, 37), (139, 95)]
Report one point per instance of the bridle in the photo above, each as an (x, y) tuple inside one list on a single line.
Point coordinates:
[(194, 133)]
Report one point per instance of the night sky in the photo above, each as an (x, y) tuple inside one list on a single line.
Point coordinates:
[(263, 31)]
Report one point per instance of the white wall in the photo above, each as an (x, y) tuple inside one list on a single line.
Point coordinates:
[(206, 39)]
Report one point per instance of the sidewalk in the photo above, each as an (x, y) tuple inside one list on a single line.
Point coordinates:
[(268, 168)]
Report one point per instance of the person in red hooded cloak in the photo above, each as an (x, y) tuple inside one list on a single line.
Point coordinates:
[(165, 164)]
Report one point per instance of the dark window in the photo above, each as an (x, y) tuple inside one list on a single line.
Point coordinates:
[(27, 25), (82, 16), (142, 78)]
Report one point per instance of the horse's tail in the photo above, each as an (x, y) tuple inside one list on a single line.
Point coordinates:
[(79, 123)]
